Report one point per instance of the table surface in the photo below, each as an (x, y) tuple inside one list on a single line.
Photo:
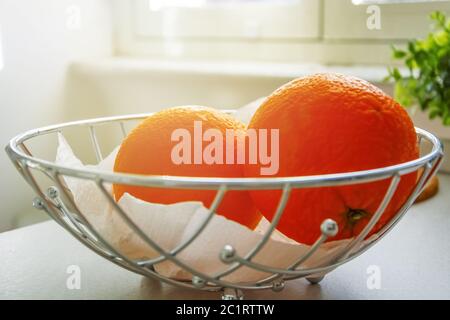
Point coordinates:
[(413, 262)]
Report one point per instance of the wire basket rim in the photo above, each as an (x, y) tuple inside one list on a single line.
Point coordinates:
[(163, 181)]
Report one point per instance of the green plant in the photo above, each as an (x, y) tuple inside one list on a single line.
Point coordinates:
[(427, 82)]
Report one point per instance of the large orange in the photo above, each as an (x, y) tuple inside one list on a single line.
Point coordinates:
[(333, 123), (147, 150)]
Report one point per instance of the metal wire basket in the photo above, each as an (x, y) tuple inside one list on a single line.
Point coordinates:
[(58, 203)]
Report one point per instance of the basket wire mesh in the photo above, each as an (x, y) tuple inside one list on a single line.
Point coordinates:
[(57, 201)]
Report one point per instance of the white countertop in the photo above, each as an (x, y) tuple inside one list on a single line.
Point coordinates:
[(413, 260)]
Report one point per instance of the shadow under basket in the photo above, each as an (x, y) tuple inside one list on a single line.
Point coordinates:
[(55, 199)]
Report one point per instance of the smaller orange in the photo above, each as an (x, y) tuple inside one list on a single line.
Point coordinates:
[(148, 149)]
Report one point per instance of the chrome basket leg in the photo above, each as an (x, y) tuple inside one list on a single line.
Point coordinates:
[(232, 294), (315, 280)]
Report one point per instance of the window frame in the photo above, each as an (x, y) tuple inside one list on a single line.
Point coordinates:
[(327, 44)]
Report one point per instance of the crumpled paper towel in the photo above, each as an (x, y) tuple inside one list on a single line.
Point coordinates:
[(171, 225)]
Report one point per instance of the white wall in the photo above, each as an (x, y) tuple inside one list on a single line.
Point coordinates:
[(39, 40)]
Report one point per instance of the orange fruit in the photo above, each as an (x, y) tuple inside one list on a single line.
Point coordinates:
[(332, 123), (147, 150)]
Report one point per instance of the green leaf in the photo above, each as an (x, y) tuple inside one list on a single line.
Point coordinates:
[(424, 45), (439, 17), (434, 110), (411, 63), (396, 74), (387, 79), (402, 94), (412, 47), (442, 55), (441, 38), (435, 15), (397, 53), (434, 113), (446, 120)]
